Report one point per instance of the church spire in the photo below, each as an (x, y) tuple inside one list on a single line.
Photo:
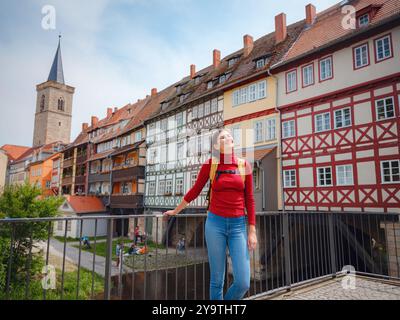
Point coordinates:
[(56, 73)]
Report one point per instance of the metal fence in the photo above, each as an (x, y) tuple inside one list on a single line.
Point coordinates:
[(293, 248)]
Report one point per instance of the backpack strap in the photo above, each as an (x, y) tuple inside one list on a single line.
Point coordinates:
[(242, 168), (213, 170)]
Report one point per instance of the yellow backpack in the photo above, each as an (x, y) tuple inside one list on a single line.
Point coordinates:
[(213, 170)]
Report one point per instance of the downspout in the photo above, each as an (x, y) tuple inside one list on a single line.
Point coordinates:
[(279, 138), (263, 184)]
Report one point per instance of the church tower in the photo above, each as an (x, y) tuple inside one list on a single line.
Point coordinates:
[(53, 106)]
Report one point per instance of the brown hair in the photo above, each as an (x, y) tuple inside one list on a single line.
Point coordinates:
[(214, 140)]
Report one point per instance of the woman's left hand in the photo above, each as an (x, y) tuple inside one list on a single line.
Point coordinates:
[(252, 240)]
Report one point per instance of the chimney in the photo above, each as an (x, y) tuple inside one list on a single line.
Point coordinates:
[(153, 92), (247, 44), (95, 120), (109, 112), (310, 14), (216, 58), (85, 126), (280, 28), (192, 71)]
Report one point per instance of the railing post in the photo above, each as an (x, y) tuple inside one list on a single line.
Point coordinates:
[(286, 244), (108, 267), (331, 222)]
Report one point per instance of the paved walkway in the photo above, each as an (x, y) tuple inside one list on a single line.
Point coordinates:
[(364, 289)]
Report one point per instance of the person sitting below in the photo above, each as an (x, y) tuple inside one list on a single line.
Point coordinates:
[(133, 249)]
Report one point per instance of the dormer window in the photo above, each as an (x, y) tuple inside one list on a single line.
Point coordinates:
[(178, 89), (181, 98), (363, 20), (164, 105), (222, 78), (209, 84), (232, 61), (197, 80), (260, 63)]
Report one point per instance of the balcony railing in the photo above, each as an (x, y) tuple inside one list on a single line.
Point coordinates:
[(68, 162), (66, 180), (126, 200), (80, 179), (128, 174), (293, 249)]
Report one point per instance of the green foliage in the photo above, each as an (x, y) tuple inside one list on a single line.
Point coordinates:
[(20, 239)]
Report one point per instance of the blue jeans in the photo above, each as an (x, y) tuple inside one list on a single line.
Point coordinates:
[(220, 233)]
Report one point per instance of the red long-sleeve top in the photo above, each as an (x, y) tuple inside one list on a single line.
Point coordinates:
[(229, 196)]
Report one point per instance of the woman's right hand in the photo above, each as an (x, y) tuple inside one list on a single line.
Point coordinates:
[(170, 213)]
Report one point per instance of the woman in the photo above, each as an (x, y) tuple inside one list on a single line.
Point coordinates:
[(226, 219)]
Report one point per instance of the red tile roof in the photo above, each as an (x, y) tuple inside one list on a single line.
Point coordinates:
[(85, 204), (327, 27), (14, 152)]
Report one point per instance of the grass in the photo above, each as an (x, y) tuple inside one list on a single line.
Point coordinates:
[(101, 247), (70, 286)]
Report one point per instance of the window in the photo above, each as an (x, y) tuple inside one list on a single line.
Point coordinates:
[(42, 100), (252, 92), (344, 175), (193, 178), (289, 178), (325, 69), (161, 187), (262, 92), (232, 61), (258, 134), (308, 75), (324, 176), (322, 122), (363, 20), (361, 56), (288, 129), (256, 178), (181, 98), (61, 104), (383, 48), (69, 222), (260, 63), (197, 80), (199, 144), (179, 186), (243, 95), (390, 171), (138, 136), (168, 188), (194, 112), (152, 188), (200, 112), (384, 108), (291, 81), (164, 124), (179, 151), (47, 184), (342, 118), (237, 139), (270, 129), (179, 119), (235, 98), (214, 105), (209, 84), (207, 108), (60, 225), (222, 79)]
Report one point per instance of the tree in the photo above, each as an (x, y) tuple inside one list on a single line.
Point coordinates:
[(23, 201)]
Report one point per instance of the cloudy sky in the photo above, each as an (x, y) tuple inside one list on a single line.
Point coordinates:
[(115, 51)]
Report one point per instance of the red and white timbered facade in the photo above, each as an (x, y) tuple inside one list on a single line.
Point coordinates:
[(341, 136)]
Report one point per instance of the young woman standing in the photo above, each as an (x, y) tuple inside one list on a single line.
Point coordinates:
[(226, 220)]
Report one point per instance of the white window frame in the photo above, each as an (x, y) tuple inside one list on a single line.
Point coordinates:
[(193, 178), (258, 131), (347, 175), (324, 128), (308, 75), (324, 178), (391, 171), (252, 92), (262, 89), (359, 51), (237, 135), (362, 24), (287, 177), (323, 70), (291, 81), (270, 129), (292, 129), (342, 117), (377, 45), (385, 111), (260, 63), (179, 185)]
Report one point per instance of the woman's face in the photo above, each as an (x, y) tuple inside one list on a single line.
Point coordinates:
[(224, 142)]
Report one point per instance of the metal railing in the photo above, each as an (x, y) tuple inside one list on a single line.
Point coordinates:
[(293, 248)]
